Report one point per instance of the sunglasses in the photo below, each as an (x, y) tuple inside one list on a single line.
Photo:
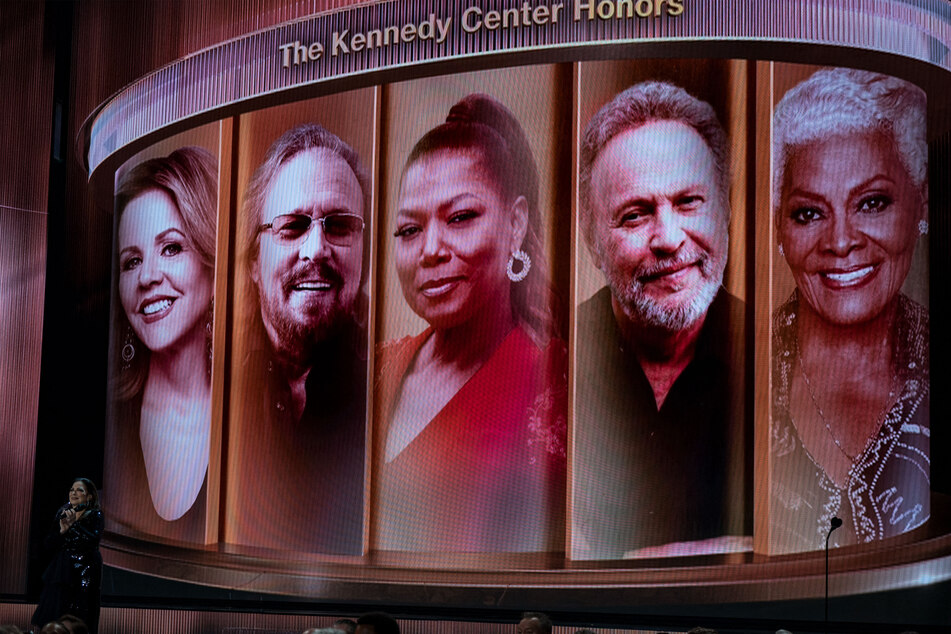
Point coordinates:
[(340, 229)]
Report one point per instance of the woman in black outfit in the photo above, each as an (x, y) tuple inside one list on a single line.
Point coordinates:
[(72, 580)]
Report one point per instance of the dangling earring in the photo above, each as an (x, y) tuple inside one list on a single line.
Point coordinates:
[(526, 263), (128, 348), (209, 331), (923, 227), (781, 252)]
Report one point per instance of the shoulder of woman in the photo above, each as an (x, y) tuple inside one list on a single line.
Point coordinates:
[(914, 334), (395, 353), (395, 347), (785, 315)]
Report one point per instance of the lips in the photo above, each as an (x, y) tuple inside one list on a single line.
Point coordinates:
[(312, 279), (155, 308), (311, 285), (440, 286), (666, 272), (848, 277)]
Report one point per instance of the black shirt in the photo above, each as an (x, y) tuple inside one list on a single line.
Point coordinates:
[(644, 477)]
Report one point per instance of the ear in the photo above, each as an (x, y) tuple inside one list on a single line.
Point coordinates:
[(254, 272), (519, 214)]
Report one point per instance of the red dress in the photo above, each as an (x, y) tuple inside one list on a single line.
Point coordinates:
[(487, 474)]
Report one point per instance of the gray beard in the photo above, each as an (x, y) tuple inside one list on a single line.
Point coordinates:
[(645, 310)]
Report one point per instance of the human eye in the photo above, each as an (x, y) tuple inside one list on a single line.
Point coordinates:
[(690, 202), (462, 216), (129, 263), (805, 215), (291, 226), (341, 225), (406, 231), (633, 216), (874, 204), (172, 249)]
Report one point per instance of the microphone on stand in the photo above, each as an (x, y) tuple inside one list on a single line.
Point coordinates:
[(834, 523)]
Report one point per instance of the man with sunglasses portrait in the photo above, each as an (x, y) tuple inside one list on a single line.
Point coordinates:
[(305, 209)]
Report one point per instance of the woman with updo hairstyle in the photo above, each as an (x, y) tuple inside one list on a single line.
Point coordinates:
[(159, 441), (850, 428), (471, 412)]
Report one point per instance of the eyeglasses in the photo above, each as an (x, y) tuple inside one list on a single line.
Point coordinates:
[(340, 229)]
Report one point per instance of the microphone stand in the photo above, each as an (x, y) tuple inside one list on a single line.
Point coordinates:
[(833, 524)]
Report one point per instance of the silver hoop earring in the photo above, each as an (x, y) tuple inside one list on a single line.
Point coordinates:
[(524, 260), (923, 227)]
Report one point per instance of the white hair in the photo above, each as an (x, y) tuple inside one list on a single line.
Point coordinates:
[(843, 101)]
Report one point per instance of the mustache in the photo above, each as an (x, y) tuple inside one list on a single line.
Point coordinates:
[(309, 271), (664, 265)]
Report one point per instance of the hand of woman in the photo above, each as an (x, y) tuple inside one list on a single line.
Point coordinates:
[(67, 519)]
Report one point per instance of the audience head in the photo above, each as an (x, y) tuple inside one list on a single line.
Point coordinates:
[(74, 624), (345, 625), (377, 623), (534, 623)]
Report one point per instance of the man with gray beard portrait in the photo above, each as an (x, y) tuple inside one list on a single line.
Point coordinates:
[(300, 466), (661, 438)]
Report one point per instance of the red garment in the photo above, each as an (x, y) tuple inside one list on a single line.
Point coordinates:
[(487, 474)]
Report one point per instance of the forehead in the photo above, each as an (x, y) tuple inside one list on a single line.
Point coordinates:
[(835, 165), (148, 214), (444, 175), (654, 159), (313, 180), (79, 485)]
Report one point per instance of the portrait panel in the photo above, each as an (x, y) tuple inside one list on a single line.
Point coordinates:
[(299, 366), (160, 478), (849, 436), (662, 431), (470, 390)]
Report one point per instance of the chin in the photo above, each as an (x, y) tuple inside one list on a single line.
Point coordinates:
[(853, 312)]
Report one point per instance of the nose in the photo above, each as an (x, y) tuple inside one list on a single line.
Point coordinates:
[(314, 245), (841, 235), (668, 234), (150, 272), (434, 248)]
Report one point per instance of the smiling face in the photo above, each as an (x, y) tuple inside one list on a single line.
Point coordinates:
[(78, 494), (309, 286), (164, 288), (660, 224), (454, 235), (848, 225)]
